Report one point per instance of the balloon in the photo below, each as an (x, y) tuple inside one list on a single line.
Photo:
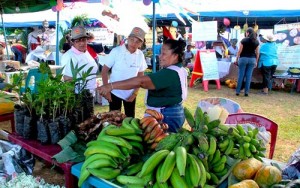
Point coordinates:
[(54, 9), (174, 24), (60, 5), (226, 21), (147, 2)]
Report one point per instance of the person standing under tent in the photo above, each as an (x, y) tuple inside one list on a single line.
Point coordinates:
[(247, 58), (125, 61), (19, 51), (167, 88), (233, 49), (267, 62), (188, 55)]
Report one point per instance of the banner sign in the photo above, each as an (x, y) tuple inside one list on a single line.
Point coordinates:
[(205, 31), (102, 35), (209, 65)]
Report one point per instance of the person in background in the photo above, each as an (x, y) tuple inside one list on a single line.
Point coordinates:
[(247, 58), (167, 88), (79, 55), (68, 43), (125, 61), (33, 39), (188, 55), (268, 61), (233, 49), (19, 51)]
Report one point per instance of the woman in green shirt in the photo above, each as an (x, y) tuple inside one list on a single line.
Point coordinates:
[(167, 88)]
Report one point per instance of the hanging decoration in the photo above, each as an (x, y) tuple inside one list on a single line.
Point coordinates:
[(60, 5), (54, 8), (226, 22)]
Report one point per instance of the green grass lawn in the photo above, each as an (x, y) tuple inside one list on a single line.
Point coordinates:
[(280, 106)]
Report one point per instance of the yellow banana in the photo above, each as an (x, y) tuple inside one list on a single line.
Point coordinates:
[(115, 140), (176, 180), (167, 167), (181, 157), (195, 169), (133, 180), (105, 173), (153, 161)]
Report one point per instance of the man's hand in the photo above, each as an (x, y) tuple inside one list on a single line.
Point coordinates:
[(131, 98)]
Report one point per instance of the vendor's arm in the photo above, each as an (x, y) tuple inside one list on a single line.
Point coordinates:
[(257, 55), (239, 53), (104, 74), (136, 90)]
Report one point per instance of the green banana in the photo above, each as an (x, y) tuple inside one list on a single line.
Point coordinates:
[(94, 157), (250, 133), (222, 160), (126, 152), (188, 140), (222, 173), (214, 179), (84, 174), (199, 118), (101, 143), (137, 145), (126, 123), (247, 149), (104, 150), (189, 117), (158, 172), (105, 173), (212, 145), (176, 180), (255, 132), (216, 157), (102, 132), (133, 180), (203, 144), (134, 168), (133, 137), (241, 152), (213, 124), (102, 163), (167, 167), (229, 147), (148, 179), (246, 138), (188, 177), (202, 179), (252, 148), (241, 130), (219, 168), (119, 131), (115, 140), (168, 143), (135, 123), (153, 161), (194, 170), (181, 157), (223, 145)]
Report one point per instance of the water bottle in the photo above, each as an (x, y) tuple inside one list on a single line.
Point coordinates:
[(31, 83)]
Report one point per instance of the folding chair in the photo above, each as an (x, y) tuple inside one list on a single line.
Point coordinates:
[(259, 121), (230, 105)]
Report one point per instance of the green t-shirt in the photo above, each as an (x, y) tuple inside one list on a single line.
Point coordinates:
[(167, 88)]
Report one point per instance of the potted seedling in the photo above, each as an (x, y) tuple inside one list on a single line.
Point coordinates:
[(29, 120)]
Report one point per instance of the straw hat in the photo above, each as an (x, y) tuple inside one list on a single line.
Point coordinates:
[(269, 37)]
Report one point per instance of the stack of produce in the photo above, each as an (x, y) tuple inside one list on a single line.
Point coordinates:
[(231, 83), (203, 156)]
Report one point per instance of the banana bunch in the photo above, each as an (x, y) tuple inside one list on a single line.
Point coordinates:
[(153, 129), (249, 145), (112, 150)]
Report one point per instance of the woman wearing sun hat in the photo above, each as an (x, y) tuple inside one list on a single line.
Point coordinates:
[(268, 61)]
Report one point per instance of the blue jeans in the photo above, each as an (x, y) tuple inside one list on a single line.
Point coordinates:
[(174, 117), (18, 54), (246, 66)]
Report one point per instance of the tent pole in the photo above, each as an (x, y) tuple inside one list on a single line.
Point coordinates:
[(57, 42), (153, 32), (4, 34)]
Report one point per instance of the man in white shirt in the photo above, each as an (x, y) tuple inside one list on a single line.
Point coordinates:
[(125, 62)]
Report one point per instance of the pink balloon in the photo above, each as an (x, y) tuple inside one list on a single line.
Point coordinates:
[(54, 9), (226, 21), (147, 2)]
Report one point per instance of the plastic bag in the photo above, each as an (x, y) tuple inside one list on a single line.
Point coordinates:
[(14, 160), (292, 170)]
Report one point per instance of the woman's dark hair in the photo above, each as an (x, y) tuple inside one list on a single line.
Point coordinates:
[(252, 34), (178, 47)]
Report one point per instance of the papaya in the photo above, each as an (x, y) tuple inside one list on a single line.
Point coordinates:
[(245, 184), (246, 169), (267, 176)]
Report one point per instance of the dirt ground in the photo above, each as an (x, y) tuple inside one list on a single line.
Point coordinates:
[(52, 175)]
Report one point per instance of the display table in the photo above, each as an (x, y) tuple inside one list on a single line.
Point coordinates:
[(45, 152), (92, 181), (294, 79)]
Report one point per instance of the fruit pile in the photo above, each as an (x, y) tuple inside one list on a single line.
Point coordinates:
[(231, 83), (202, 156)]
